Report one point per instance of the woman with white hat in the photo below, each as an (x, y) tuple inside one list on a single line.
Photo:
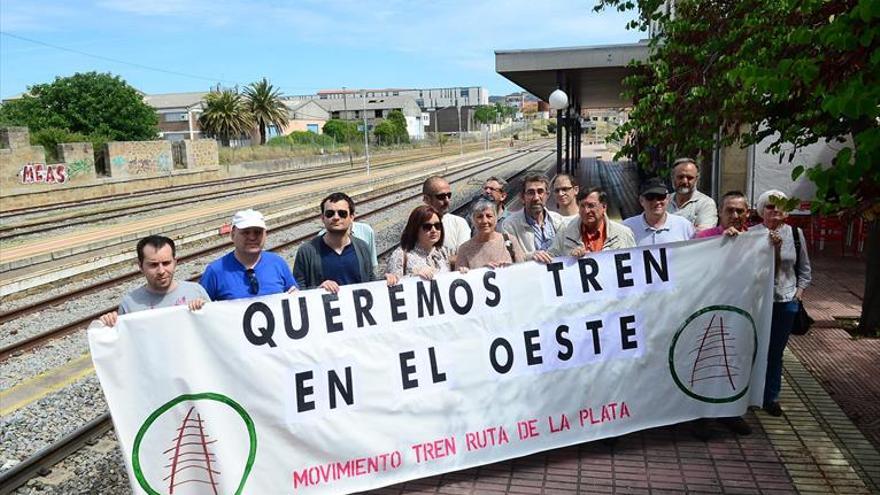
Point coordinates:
[(793, 276)]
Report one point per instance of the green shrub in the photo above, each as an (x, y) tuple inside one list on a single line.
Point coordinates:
[(51, 137)]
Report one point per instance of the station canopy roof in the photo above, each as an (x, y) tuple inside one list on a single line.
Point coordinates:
[(594, 73)]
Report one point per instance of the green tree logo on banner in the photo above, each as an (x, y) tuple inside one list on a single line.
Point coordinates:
[(178, 439)]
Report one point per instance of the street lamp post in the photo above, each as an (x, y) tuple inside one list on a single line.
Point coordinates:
[(558, 100)]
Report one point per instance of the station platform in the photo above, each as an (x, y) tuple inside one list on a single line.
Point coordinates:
[(826, 442)]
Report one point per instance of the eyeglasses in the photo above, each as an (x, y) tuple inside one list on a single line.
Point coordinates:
[(442, 196), (253, 282), (560, 190), (654, 196), (342, 213), (591, 206), (427, 226)]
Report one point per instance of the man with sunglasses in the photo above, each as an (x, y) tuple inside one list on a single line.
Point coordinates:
[(694, 206), (335, 257), (248, 271), (493, 190), (437, 194), (655, 225), (535, 227), (157, 260)]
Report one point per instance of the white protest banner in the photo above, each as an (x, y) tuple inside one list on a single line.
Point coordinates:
[(319, 393)]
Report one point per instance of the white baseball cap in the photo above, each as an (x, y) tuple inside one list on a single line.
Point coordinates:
[(248, 218)]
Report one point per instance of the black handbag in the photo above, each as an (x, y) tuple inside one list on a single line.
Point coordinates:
[(802, 320)]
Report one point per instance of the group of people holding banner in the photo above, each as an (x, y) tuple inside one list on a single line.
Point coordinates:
[(435, 241)]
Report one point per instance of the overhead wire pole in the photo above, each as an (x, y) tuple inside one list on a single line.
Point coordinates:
[(460, 141), (366, 139), (345, 122)]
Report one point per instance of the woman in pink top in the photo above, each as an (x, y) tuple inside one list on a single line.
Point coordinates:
[(488, 247)]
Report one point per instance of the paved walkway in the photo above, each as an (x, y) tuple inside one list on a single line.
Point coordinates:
[(826, 442)]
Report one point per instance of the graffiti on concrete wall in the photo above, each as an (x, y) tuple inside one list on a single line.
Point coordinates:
[(164, 162), (41, 173), (77, 168), (139, 166)]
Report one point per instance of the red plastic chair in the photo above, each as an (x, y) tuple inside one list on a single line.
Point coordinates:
[(830, 229), (858, 234)]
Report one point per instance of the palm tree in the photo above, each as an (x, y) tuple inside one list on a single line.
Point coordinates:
[(226, 115), (264, 103)]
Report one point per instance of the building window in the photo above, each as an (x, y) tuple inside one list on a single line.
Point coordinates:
[(175, 117)]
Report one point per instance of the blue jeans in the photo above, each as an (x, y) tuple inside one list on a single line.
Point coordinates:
[(780, 329)]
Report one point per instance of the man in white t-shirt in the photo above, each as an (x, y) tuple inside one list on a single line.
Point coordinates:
[(687, 202), (437, 194)]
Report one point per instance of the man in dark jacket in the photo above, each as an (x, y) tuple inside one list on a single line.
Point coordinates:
[(334, 258)]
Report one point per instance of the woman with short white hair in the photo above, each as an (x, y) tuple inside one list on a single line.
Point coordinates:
[(488, 247), (793, 276)]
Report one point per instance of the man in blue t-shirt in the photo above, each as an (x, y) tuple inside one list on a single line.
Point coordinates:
[(335, 257), (248, 271)]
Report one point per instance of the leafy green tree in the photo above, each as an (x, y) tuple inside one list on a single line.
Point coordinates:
[(85, 103), (50, 137), (398, 120), (796, 72), (340, 130), (226, 115), (503, 111), (265, 104), (385, 132), (485, 114)]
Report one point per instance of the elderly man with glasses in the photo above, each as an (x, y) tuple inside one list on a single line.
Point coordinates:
[(592, 231), (248, 271), (335, 257), (655, 225)]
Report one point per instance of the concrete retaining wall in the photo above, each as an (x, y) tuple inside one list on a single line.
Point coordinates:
[(136, 159)]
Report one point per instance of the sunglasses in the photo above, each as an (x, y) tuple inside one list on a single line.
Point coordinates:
[(655, 196), (427, 226), (442, 196), (330, 213), (253, 283)]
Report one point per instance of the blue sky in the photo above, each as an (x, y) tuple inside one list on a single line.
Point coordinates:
[(301, 46)]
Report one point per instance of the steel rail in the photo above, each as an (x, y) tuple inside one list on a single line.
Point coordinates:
[(16, 348), (41, 462), (17, 313), (262, 182), (216, 182)]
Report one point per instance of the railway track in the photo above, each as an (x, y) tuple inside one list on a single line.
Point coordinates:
[(41, 463), (39, 339), (263, 182)]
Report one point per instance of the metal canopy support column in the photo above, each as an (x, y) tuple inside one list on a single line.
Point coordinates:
[(580, 133), (560, 80)]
